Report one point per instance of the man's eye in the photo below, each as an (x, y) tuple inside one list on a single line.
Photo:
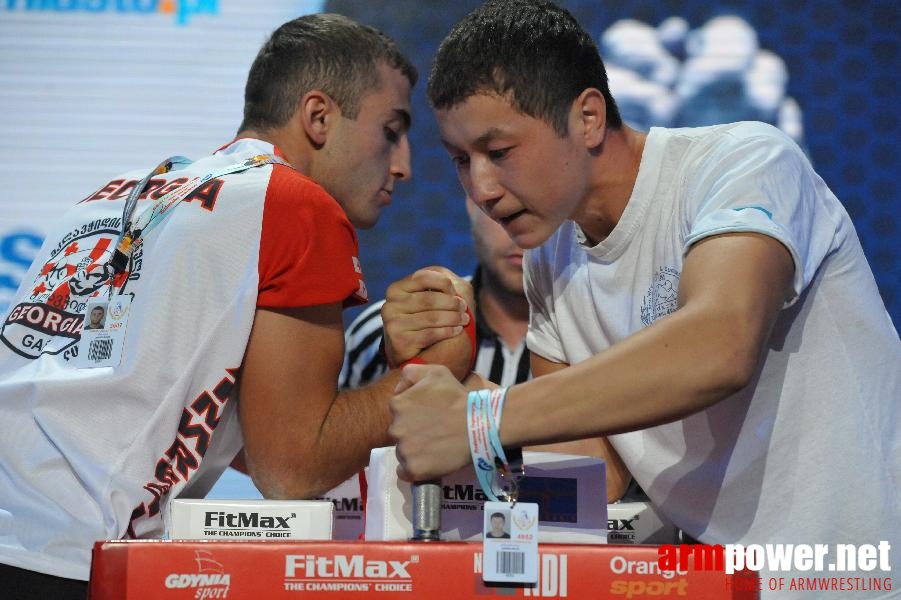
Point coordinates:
[(498, 154), (460, 160), (391, 135)]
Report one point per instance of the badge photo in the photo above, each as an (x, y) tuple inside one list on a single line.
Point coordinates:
[(510, 545), (103, 333)]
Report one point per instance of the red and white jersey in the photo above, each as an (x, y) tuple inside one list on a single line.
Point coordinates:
[(96, 453)]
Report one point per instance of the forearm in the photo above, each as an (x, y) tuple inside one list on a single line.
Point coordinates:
[(730, 293), (301, 436), (356, 422), (680, 365)]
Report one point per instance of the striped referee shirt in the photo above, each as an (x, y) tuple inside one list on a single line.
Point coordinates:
[(364, 355)]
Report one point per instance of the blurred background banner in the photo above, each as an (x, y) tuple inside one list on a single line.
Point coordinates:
[(90, 88)]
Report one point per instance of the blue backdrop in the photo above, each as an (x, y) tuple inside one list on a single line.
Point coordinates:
[(842, 58)]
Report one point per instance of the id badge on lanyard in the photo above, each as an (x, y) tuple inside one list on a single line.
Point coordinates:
[(106, 318), (510, 536)]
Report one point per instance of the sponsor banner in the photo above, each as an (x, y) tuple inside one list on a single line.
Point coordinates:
[(158, 570), (120, 99), (250, 519), (182, 10)]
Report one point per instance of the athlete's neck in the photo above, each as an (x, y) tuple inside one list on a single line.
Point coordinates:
[(614, 173)]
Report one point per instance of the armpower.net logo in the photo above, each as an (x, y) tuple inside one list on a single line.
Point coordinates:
[(793, 567)]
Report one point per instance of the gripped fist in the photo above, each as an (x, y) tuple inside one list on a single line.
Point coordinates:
[(429, 423), (424, 316)]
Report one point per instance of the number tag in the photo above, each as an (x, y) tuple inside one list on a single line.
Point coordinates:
[(103, 333), (510, 548)]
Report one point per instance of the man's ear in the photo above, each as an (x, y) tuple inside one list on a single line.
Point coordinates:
[(316, 111), (592, 116)]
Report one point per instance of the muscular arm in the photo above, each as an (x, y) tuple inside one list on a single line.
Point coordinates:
[(300, 436), (731, 290)]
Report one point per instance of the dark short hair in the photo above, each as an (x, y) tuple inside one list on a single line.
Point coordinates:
[(498, 514), (327, 52), (532, 50)]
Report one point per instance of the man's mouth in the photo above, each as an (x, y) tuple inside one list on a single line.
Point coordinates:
[(514, 259), (505, 221)]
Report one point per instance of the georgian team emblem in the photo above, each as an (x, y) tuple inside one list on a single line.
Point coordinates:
[(49, 319)]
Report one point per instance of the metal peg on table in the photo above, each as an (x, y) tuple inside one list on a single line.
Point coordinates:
[(427, 511)]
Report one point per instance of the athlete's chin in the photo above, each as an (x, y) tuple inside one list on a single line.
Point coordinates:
[(365, 220), (526, 238), (366, 224)]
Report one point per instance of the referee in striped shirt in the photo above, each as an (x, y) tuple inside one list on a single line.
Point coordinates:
[(502, 315)]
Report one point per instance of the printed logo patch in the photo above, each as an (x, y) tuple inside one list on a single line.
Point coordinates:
[(51, 319), (210, 580), (662, 297)]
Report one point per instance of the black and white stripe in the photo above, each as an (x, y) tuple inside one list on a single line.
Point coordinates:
[(364, 357), (499, 364)]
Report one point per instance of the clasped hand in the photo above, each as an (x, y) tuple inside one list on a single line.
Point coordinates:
[(424, 316)]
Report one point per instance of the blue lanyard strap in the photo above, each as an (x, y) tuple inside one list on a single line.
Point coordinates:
[(498, 475), (133, 232)]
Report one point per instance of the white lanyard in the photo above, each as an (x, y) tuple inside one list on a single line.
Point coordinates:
[(133, 232)]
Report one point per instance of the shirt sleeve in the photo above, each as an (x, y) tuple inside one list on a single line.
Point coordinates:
[(761, 182), (308, 247)]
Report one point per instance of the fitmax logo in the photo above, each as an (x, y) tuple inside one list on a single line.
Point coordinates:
[(463, 492), (343, 566), (243, 519), (621, 524), (182, 10), (345, 504)]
